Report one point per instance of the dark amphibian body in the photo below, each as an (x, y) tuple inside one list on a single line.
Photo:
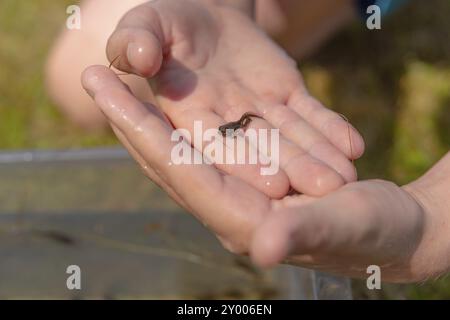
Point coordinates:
[(242, 123)]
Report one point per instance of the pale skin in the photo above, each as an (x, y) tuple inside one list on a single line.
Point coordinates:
[(300, 25), (401, 229), (210, 62), (213, 74), (404, 230)]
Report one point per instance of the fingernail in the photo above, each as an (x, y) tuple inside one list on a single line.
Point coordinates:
[(133, 53), (91, 83)]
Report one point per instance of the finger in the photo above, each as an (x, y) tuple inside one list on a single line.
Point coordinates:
[(235, 149), (136, 46), (313, 229), (333, 126), (228, 206), (296, 129), (382, 224), (148, 171), (94, 80), (199, 107), (306, 174)]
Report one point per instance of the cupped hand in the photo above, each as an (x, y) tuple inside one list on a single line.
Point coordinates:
[(361, 224), (212, 63)]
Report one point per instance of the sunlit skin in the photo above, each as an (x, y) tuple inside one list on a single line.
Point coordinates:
[(213, 64), (402, 229)]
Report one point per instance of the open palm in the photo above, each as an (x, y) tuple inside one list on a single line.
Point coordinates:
[(361, 224), (211, 63)]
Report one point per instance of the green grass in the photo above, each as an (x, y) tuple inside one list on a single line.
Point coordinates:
[(392, 84), (28, 119)]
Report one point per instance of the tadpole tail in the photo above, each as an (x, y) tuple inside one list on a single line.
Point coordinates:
[(111, 64), (349, 137)]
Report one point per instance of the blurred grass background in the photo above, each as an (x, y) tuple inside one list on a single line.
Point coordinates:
[(392, 84), (28, 118)]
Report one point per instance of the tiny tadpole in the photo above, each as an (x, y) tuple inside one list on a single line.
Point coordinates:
[(242, 123)]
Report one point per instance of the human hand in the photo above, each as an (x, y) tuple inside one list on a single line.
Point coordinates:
[(210, 62), (363, 223)]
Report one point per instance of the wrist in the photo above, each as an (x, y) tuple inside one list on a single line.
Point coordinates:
[(433, 187), (430, 192)]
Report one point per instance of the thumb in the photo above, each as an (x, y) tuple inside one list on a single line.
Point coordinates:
[(292, 231), (136, 46), (326, 225)]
